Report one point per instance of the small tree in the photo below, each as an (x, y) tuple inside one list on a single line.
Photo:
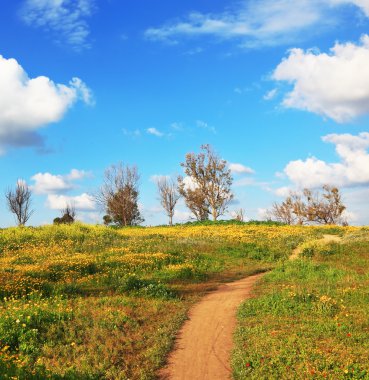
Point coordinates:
[(291, 211), (68, 215), (107, 220), (168, 195), (19, 202), (239, 215), (119, 195), (212, 182), (195, 200)]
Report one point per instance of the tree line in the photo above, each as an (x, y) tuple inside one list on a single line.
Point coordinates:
[(206, 190)]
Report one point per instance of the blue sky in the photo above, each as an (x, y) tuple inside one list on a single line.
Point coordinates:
[(277, 86)]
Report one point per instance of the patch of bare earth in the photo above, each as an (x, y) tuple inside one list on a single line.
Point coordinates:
[(204, 344)]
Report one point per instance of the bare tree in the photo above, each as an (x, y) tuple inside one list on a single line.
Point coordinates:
[(119, 195), (195, 199), (325, 208), (239, 215), (291, 211), (168, 194), (311, 207), (212, 181), (19, 202)]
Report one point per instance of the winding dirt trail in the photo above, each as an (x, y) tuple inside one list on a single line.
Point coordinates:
[(326, 238), (205, 342)]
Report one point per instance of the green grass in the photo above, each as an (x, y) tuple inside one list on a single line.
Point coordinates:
[(309, 318), (81, 302)]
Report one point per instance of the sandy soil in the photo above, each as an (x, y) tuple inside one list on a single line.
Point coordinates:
[(205, 342)]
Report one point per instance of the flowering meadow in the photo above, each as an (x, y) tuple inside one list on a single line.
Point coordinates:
[(94, 302), (309, 317)]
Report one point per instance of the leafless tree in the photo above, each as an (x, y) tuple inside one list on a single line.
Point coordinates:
[(169, 196), (239, 215), (324, 207), (68, 213), (19, 202), (119, 195), (212, 182)]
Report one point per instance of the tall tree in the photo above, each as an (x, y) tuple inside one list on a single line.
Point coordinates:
[(212, 181), (19, 202), (168, 195), (119, 195)]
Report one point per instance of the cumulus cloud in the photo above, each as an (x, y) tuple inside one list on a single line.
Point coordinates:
[(46, 183), (334, 84), (256, 23), (240, 169), (65, 19), (26, 104), (352, 169), (83, 202)]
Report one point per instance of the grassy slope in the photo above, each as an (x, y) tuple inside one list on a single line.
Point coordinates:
[(79, 302), (310, 317), (92, 302)]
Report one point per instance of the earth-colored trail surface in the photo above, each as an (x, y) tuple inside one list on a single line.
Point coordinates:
[(205, 342), (327, 238)]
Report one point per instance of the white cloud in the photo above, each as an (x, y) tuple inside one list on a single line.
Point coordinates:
[(154, 132), (177, 126), (131, 133), (46, 183), (66, 19), (240, 169), (256, 23), (262, 214), (283, 191), (190, 183), (334, 85), (182, 215), (76, 174), (204, 125), (362, 4), (351, 170), (158, 177), (247, 181), (270, 94), (27, 105), (83, 202)]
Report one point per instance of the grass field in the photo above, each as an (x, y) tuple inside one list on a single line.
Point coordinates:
[(83, 302), (309, 317)]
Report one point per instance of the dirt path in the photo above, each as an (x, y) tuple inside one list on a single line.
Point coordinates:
[(205, 342), (327, 238)]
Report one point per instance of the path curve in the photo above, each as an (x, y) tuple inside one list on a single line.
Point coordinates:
[(204, 344), (326, 238)]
